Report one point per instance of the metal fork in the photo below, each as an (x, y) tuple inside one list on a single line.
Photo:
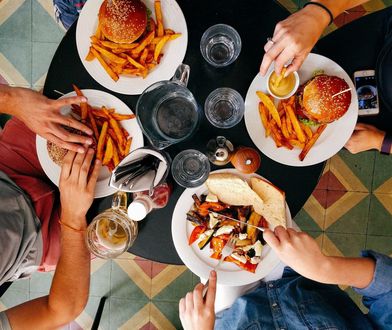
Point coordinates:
[(226, 251)]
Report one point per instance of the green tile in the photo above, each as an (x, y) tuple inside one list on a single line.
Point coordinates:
[(100, 280), (170, 310), (381, 172), (22, 285), (121, 310), (12, 298), (380, 220), (382, 244), (353, 221), (350, 245), (176, 289), (357, 298), (195, 280), (306, 222), (314, 233), (45, 28), (122, 286), (19, 55), (42, 54), (35, 295), (18, 26), (41, 282), (361, 164)]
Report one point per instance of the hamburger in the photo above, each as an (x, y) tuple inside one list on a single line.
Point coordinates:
[(57, 153), (315, 101), (122, 21)]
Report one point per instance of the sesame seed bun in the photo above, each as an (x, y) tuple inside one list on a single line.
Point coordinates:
[(122, 21), (317, 101)]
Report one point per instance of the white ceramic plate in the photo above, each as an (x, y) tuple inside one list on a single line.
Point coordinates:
[(174, 50), (199, 261), (95, 98), (330, 141)]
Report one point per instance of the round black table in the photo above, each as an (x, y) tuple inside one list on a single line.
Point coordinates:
[(255, 21)]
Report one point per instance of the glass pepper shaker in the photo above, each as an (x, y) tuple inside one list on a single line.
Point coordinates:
[(219, 151)]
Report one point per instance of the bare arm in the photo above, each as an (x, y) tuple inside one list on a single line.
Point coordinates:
[(295, 36), (301, 252), (69, 291), (43, 117)]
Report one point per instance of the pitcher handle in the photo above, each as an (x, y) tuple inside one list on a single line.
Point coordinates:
[(181, 76)]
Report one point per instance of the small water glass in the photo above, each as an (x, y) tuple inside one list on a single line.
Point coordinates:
[(220, 45), (190, 168), (224, 107)]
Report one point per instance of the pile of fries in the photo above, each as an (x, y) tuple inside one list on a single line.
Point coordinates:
[(113, 141), (137, 58), (284, 127)]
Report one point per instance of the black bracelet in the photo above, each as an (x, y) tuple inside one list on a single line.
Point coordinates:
[(321, 6)]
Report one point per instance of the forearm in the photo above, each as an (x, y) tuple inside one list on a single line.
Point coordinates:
[(72, 276), (355, 272), (5, 99), (68, 293)]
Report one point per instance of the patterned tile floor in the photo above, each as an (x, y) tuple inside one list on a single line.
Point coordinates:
[(349, 210)]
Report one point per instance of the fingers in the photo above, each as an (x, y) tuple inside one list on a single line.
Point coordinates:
[(63, 144), (71, 122), (282, 59), (271, 239), (68, 101), (295, 64), (198, 295), (282, 234), (211, 292), (76, 166), (181, 306), (94, 176), (67, 165), (86, 167), (189, 300), (67, 136)]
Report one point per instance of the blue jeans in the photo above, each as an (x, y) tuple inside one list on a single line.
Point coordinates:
[(67, 11)]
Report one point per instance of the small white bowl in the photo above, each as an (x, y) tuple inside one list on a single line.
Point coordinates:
[(296, 76)]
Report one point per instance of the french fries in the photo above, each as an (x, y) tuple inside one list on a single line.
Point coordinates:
[(290, 133), (113, 141), (137, 58)]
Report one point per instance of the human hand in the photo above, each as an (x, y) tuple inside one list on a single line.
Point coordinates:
[(195, 313), (365, 137), (77, 187), (293, 39), (299, 251), (43, 117)]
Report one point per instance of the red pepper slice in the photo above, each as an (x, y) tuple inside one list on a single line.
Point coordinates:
[(247, 266), (196, 234)]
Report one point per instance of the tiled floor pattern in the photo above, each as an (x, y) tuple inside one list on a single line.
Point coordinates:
[(350, 209)]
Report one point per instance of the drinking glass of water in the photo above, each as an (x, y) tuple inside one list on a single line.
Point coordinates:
[(224, 107), (190, 168), (220, 45)]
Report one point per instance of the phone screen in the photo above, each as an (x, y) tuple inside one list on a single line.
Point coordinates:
[(367, 92)]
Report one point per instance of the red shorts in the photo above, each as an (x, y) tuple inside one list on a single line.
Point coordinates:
[(18, 159)]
